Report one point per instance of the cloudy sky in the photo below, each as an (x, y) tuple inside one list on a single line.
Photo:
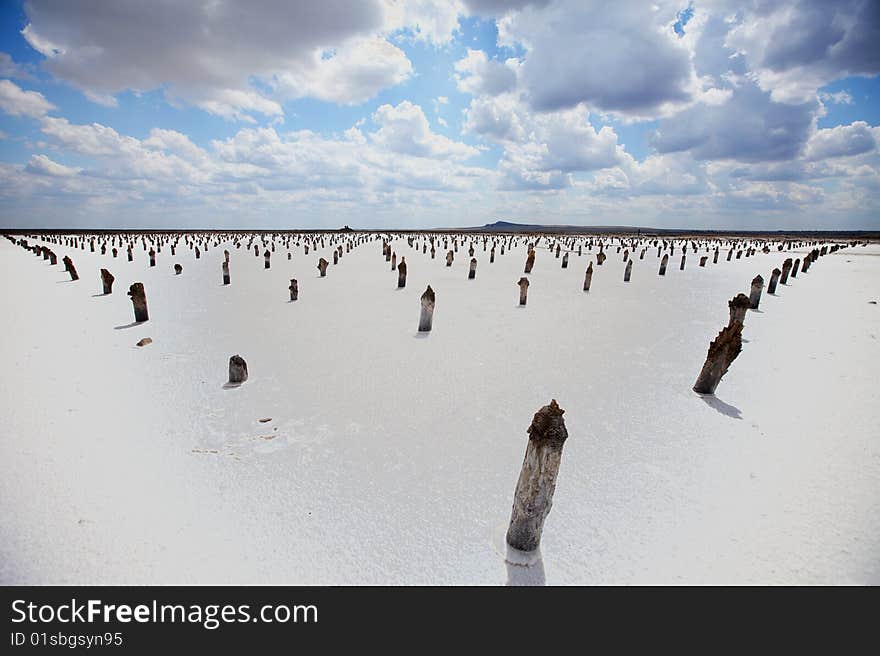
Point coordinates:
[(385, 113)]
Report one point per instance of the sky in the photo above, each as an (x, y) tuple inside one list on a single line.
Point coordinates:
[(270, 114)]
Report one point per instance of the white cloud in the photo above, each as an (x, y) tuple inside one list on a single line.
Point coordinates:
[(351, 74), (838, 98), (427, 20), (219, 55), (17, 102), (842, 141), (476, 74), (404, 129), (42, 165)]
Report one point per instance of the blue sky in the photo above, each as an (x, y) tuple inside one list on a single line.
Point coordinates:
[(416, 114)]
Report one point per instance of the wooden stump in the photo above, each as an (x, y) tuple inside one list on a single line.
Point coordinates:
[(537, 478), (139, 301), (530, 262), (627, 272), (565, 261), (267, 259), (152, 255), (683, 259), (107, 281), (68, 266), (795, 268), (722, 352), (322, 266), (755, 294), (449, 258), (523, 290), (393, 261), (238, 371), (663, 263), (225, 268), (600, 258), (738, 306), (774, 278), (588, 277), (472, 272), (703, 260), (294, 289), (401, 273), (786, 270), (427, 316), (178, 269)]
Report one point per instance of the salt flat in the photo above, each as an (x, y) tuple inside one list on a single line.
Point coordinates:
[(392, 457)]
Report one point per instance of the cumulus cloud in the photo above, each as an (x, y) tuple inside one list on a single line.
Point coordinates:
[(750, 127), (796, 47), (476, 74), (842, 141), (621, 57), (18, 102), (42, 165), (426, 20), (404, 129), (209, 54), (351, 74)]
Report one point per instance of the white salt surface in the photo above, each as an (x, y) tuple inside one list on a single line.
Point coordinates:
[(392, 457)]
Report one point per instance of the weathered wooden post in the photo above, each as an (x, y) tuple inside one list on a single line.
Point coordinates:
[(238, 371), (53, 259), (774, 278), (266, 259), (807, 261), (427, 316), (139, 301), (600, 258), (683, 258), (530, 261), (335, 257), (492, 256), (565, 261), (588, 277), (294, 289), (449, 258), (722, 352), (537, 478), (178, 269), (198, 253), (523, 290), (401, 273), (729, 254), (715, 257), (738, 306), (322, 266), (393, 261), (472, 272), (225, 267), (628, 271), (663, 264), (68, 266), (115, 252), (786, 269), (703, 260), (107, 281), (152, 255), (795, 268), (755, 294)]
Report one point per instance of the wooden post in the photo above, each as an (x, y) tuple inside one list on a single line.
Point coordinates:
[(449, 258), (294, 289), (683, 258), (537, 478), (68, 266), (266, 259), (492, 256), (401, 273), (427, 316), (139, 301), (178, 269), (393, 261), (472, 273), (152, 255), (795, 268), (703, 260), (738, 306), (322, 266), (774, 278), (107, 281), (755, 294), (523, 289), (238, 371), (628, 271), (588, 277), (715, 257), (565, 261), (807, 261), (530, 262), (225, 267), (786, 270), (663, 264), (600, 258), (722, 352)]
